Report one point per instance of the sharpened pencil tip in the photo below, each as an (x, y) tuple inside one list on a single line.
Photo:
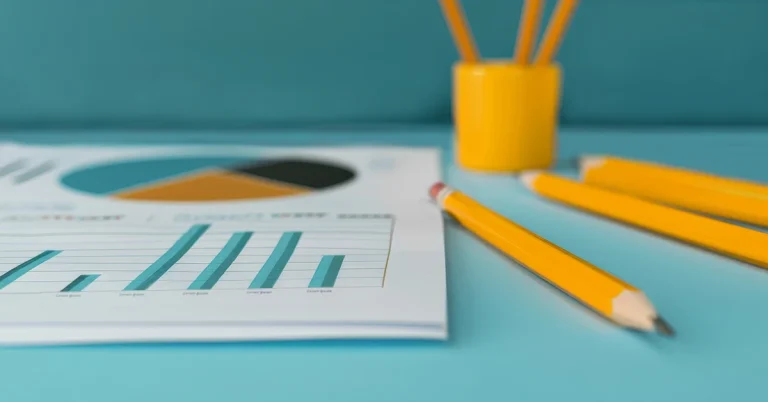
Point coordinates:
[(663, 327), (528, 177), (587, 162)]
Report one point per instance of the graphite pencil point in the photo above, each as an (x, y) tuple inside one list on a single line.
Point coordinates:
[(663, 327)]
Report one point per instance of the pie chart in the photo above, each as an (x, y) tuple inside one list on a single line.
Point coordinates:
[(207, 178)]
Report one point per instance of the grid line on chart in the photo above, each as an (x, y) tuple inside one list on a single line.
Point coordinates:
[(77, 283), (197, 272), (150, 234), (196, 248)]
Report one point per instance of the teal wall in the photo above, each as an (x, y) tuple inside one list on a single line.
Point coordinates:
[(245, 62)]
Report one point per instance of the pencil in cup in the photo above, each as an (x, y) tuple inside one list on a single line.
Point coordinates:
[(528, 30), (462, 34), (731, 240), (555, 32), (602, 292), (728, 198)]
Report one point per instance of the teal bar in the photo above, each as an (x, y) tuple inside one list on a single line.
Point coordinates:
[(80, 283), (213, 272), (166, 261), (275, 264), (26, 266), (327, 271)]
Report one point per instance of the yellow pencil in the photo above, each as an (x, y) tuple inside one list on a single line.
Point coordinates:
[(555, 32), (462, 35), (724, 238), (528, 30), (597, 289), (729, 198)]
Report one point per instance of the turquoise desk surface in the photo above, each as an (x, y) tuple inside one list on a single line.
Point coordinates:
[(512, 337)]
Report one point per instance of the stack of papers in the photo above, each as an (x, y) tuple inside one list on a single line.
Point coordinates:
[(132, 244)]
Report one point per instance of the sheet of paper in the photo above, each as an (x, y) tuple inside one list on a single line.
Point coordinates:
[(121, 243), (207, 333)]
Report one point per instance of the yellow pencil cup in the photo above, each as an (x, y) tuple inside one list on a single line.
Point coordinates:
[(505, 116)]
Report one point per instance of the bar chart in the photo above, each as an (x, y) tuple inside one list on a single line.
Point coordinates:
[(288, 251)]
